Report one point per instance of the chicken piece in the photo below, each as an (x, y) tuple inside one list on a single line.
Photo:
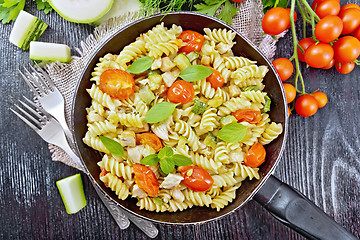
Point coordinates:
[(145, 128), (169, 78), (177, 195), (171, 180), (156, 64), (166, 64), (138, 192), (127, 138), (135, 153), (237, 155), (94, 117)]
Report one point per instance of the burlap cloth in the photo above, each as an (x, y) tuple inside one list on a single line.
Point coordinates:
[(247, 21)]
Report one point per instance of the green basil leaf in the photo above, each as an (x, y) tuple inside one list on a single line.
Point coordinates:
[(151, 159), (167, 165), (233, 132), (195, 73), (140, 65), (165, 152), (181, 160), (160, 112), (113, 146), (158, 200)]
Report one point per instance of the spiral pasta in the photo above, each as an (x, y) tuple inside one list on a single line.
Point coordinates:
[(115, 184), (117, 168)]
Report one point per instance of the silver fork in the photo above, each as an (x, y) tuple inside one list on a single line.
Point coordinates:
[(51, 131), (48, 95)]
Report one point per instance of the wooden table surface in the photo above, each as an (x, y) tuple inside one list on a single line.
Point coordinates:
[(321, 160)]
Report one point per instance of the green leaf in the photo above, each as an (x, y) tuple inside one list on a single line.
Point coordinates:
[(228, 12), (165, 152), (160, 112), (267, 104), (43, 5), (181, 160), (209, 7), (167, 165), (140, 65), (113, 146), (195, 73), (233, 132), (151, 159), (158, 201), (10, 9)]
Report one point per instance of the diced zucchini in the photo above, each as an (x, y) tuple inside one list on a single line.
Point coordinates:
[(215, 102), (210, 140), (227, 120), (50, 52), (72, 193), (199, 107), (250, 88), (182, 141), (192, 56), (267, 104), (154, 81), (154, 72), (146, 95), (182, 61), (26, 28)]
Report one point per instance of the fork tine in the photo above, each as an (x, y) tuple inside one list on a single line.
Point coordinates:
[(32, 111), (41, 80), (29, 83), (35, 106), (35, 81), (46, 75), (35, 128)]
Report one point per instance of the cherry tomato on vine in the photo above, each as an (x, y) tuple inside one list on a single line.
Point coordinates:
[(328, 28), (319, 55), (255, 156), (321, 98), (328, 7), (193, 40), (247, 115), (215, 79), (356, 33), (196, 178), (290, 92), (351, 20), (316, 3), (350, 5), (295, 17), (346, 49), (306, 105), (275, 21), (149, 139), (181, 92), (345, 68), (146, 179), (284, 68), (305, 43), (117, 83), (330, 65)]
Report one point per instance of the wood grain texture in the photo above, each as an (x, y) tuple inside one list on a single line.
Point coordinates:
[(321, 160)]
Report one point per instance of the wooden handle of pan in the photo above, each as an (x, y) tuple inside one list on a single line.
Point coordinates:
[(297, 212)]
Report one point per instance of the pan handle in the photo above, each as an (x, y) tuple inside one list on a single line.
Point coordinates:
[(297, 212)]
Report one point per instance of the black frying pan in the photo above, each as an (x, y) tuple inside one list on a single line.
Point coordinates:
[(285, 203)]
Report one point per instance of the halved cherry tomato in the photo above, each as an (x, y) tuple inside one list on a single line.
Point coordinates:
[(290, 92), (196, 178), (193, 40), (328, 7), (215, 79), (319, 55), (295, 17), (284, 68), (346, 49), (247, 115), (351, 20), (181, 92), (345, 68), (149, 139), (306, 105), (146, 179), (305, 43), (328, 28), (275, 21), (255, 156), (117, 83), (321, 98)]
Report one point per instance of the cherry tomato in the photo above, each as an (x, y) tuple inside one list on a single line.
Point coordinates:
[(284, 68), (237, 0), (306, 105), (351, 20), (117, 83), (196, 178), (321, 98), (255, 156), (146, 179), (328, 7), (289, 111), (290, 92), (346, 49), (193, 40), (316, 3), (345, 68), (247, 115), (330, 65), (328, 28), (275, 21), (356, 33), (149, 139), (349, 5), (305, 43), (319, 55), (215, 79), (295, 17), (181, 92)]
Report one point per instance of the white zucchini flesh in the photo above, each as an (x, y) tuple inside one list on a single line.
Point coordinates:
[(72, 193), (49, 52), (26, 28), (81, 11), (120, 7)]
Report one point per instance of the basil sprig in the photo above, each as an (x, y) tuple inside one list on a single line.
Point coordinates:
[(195, 73), (233, 132), (160, 112), (140, 65), (167, 160), (113, 146)]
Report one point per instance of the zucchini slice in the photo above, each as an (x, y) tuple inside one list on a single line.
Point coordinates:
[(49, 52), (199, 107), (210, 140), (182, 61), (192, 56), (227, 120), (26, 28), (146, 95)]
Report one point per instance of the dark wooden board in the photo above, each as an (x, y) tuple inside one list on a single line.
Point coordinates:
[(321, 160)]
